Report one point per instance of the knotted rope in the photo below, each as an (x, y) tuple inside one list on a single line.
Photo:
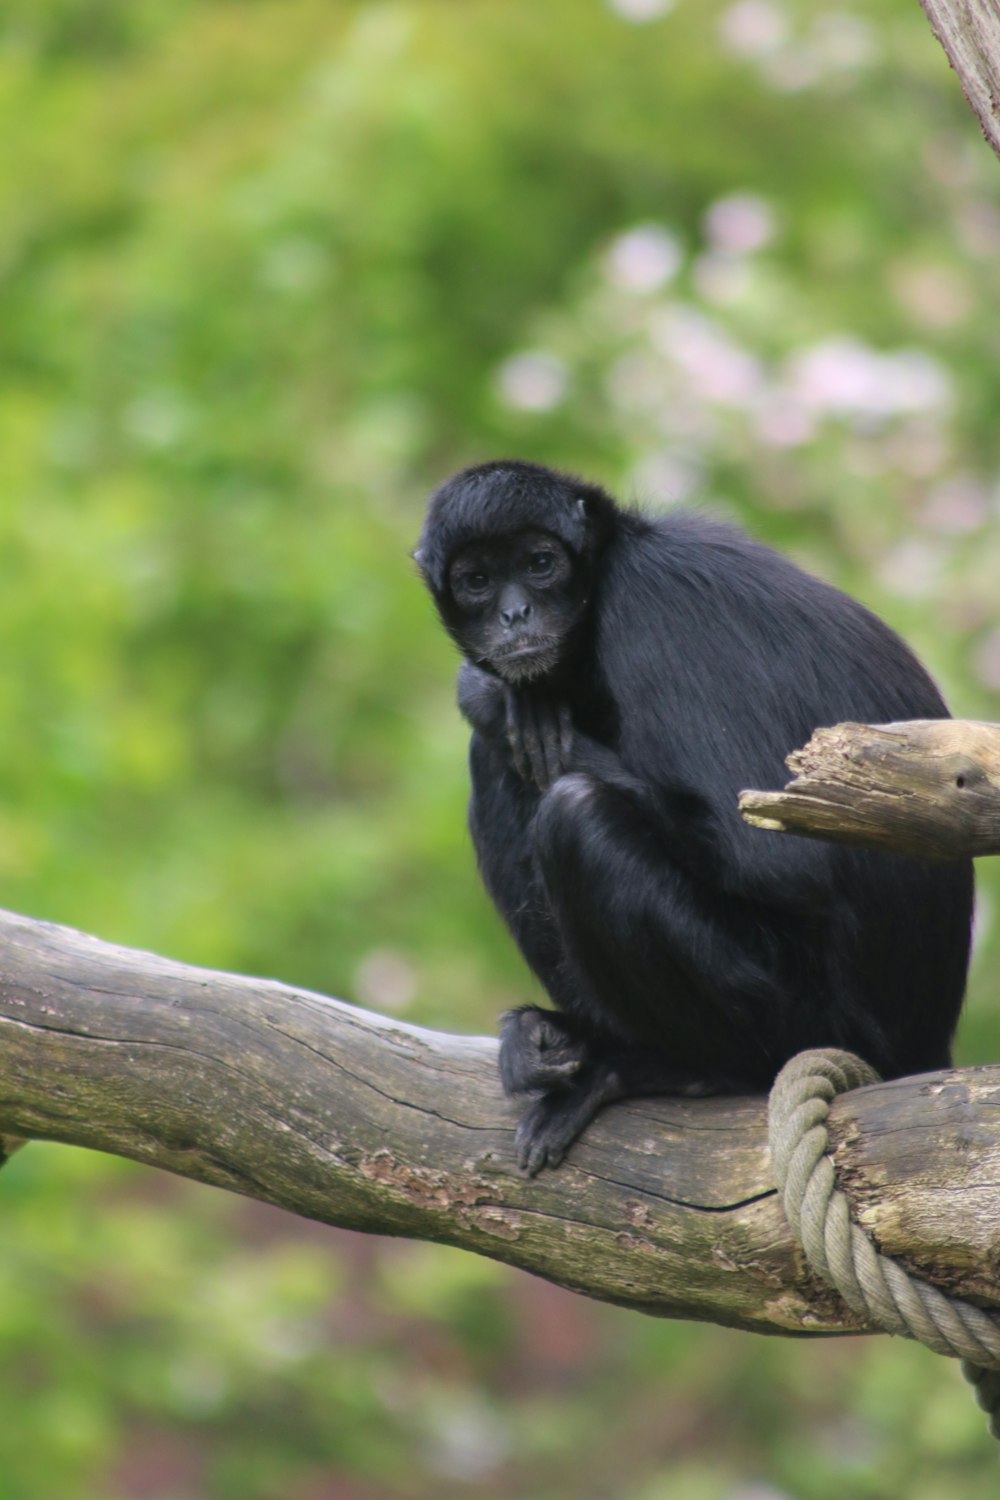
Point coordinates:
[(872, 1285)]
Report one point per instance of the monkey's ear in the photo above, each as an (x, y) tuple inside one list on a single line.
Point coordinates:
[(418, 557), (581, 506)]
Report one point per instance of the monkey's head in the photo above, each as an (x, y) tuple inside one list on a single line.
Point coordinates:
[(509, 552)]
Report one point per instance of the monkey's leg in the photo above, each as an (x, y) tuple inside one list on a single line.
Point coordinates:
[(668, 998)]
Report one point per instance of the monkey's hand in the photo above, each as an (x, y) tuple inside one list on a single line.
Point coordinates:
[(482, 701), (537, 732), (539, 1050), (540, 736)]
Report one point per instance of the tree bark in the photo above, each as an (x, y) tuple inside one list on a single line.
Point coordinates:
[(969, 32), (666, 1206), (929, 788)]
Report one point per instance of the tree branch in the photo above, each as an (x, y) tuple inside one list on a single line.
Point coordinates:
[(666, 1206), (969, 32), (929, 788)]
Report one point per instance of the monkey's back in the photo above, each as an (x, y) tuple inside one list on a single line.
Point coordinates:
[(720, 657)]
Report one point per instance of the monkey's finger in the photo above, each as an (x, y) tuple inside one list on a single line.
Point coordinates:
[(531, 741), (534, 738), (531, 1151), (515, 738), (542, 1139), (560, 740), (553, 751), (565, 734)]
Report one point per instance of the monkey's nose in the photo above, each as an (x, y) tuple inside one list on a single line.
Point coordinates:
[(516, 615)]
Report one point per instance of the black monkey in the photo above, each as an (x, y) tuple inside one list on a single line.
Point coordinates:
[(625, 678)]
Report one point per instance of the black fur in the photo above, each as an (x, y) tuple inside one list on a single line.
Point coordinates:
[(685, 951)]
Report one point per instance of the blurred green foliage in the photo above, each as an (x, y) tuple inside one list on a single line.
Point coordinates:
[(268, 270)]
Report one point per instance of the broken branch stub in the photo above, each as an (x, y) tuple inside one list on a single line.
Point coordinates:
[(969, 32), (929, 788)]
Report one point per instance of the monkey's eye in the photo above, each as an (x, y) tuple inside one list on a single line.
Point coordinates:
[(540, 564), (476, 582)]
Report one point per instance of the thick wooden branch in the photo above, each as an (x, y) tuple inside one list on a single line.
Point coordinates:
[(929, 788), (969, 32), (353, 1119)]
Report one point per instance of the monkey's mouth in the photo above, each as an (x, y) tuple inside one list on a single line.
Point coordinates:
[(526, 648), (526, 659)]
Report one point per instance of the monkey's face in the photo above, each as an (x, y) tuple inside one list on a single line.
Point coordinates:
[(513, 601)]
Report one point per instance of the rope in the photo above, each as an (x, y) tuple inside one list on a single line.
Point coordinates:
[(873, 1286)]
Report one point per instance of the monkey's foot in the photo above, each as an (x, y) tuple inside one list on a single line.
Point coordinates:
[(538, 1051), (550, 1126)]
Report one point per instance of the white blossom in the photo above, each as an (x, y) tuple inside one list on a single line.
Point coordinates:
[(846, 377), (754, 28), (639, 11), (739, 224), (644, 259), (533, 381)]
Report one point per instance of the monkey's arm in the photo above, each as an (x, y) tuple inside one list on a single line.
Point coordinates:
[(654, 954), (635, 922), (534, 735)]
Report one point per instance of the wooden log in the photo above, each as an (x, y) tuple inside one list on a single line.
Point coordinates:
[(929, 788), (666, 1206)]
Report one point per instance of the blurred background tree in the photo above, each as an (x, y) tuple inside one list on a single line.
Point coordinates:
[(268, 271)]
